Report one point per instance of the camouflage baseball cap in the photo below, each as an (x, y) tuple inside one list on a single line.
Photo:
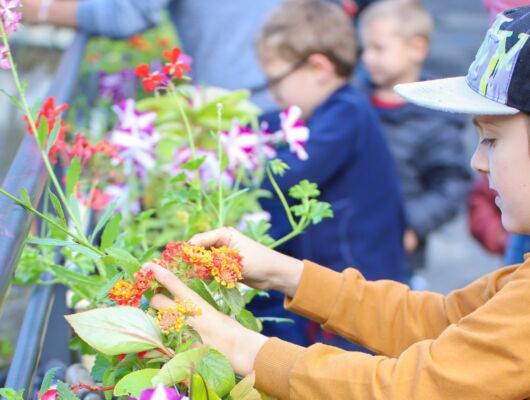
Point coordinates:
[(498, 81)]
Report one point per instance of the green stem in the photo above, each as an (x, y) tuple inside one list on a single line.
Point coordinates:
[(33, 127), (291, 235), (220, 215), (282, 198), (76, 238), (191, 139)]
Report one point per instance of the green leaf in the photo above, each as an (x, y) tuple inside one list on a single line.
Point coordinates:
[(237, 194), (244, 390), (247, 319), (304, 189), (234, 299), (47, 381), (194, 164), (11, 394), (125, 261), (101, 365), (42, 132), (109, 379), (25, 197), (135, 383), (117, 330), (58, 208), (320, 210), (200, 390), (104, 219), (74, 207), (53, 136), (179, 178), (50, 242), (199, 287), (72, 177), (278, 167), (180, 367), (64, 392), (13, 100), (217, 372), (111, 232)]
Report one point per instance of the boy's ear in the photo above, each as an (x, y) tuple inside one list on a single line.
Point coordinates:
[(321, 66), (420, 48)]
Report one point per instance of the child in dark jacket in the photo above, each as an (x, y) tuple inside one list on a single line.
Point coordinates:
[(307, 49), (427, 144)]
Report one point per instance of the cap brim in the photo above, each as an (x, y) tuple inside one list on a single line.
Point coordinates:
[(452, 95)]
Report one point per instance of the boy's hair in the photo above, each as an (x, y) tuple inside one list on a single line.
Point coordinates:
[(412, 18), (299, 28)]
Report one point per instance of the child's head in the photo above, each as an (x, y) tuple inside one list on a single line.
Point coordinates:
[(395, 36), (307, 50), (496, 91)]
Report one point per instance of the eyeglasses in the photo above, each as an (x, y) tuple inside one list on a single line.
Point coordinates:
[(274, 81)]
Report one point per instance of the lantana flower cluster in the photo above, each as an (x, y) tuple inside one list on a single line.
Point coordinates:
[(172, 319), (128, 293), (221, 264)]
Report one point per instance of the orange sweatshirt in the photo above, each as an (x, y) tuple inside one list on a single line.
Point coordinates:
[(471, 344)]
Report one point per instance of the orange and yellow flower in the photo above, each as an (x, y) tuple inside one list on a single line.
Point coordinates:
[(126, 293), (222, 264), (172, 319)]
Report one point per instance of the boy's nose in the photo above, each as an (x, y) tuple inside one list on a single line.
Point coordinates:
[(479, 161)]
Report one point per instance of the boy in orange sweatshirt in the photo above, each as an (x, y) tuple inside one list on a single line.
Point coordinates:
[(471, 344)]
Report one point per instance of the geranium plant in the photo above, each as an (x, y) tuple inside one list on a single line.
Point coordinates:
[(183, 161)]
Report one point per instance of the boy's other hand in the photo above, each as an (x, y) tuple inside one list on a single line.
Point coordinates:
[(410, 241), (263, 268)]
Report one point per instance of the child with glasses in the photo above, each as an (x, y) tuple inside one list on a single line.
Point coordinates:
[(307, 50)]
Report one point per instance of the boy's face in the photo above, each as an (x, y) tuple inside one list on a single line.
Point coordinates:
[(389, 57), (297, 87), (503, 154)]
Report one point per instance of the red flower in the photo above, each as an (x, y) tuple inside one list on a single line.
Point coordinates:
[(81, 149), (98, 200), (50, 112), (50, 394), (176, 67), (150, 80)]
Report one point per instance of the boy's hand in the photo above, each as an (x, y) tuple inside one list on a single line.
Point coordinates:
[(410, 241), (30, 11), (239, 344), (263, 268)]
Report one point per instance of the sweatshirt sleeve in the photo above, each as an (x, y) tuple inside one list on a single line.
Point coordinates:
[(119, 18), (356, 309), (480, 355)]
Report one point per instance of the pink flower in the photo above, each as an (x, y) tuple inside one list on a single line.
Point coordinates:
[(4, 60), (293, 131), (244, 147), (10, 17), (135, 137)]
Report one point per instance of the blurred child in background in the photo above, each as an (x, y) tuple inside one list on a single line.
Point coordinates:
[(426, 144)]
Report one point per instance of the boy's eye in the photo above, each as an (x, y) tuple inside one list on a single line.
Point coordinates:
[(487, 142)]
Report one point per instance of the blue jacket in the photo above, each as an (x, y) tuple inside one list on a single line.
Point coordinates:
[(349, 160)]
